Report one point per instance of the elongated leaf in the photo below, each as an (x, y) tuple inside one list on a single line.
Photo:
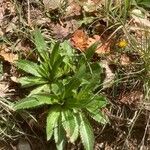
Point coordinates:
[(56, 66), (44, 70), (86, 99), (94, 109), (84, 93), (73, 103), (97, 101), (86, 133), (91, 50), (35, 101), (28, 67), (70, 125), (75, 134), (54, 54), (81, 72), (39, 89), (27, 103), (52, 119), (59, 135), (73, 84), (98, 116), (41, 46), (31, 81)]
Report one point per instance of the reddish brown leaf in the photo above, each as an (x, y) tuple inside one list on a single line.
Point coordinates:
[(79, 40)]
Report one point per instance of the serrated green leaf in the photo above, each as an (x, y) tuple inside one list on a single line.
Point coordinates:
[(66, 49), (54, 54), (94, 109), (28, 66), (84, 93), (35, 101), (97, 101), (73, 103), (44, 70), (73, 84), (81, 72), (39, 89), (40, 43), (86, 133), (52, 119), (59, 135), (56, 66), (27, 103), (75, 134), (31, 81), (98, 116), (70, 125)]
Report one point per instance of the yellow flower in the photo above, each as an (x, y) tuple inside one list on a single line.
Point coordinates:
[(122, 43)]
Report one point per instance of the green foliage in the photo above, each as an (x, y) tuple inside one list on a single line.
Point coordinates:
[(67, 82), (117, 11), (86, 133), (143, 3)]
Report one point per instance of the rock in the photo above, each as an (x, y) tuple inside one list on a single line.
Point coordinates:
[(23, 145)]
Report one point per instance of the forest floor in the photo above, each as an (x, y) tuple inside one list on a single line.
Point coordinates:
[(122, 28)]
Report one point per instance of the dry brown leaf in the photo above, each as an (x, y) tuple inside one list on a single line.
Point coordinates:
[(91, 5), (103, 48), (133, 97), (125, 60), (59, 31), (79, 40), (140, 19), (10, 57), (74, 9), (52, 4), (93, 40)]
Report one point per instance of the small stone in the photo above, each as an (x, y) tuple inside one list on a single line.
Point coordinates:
[(23, 145)]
